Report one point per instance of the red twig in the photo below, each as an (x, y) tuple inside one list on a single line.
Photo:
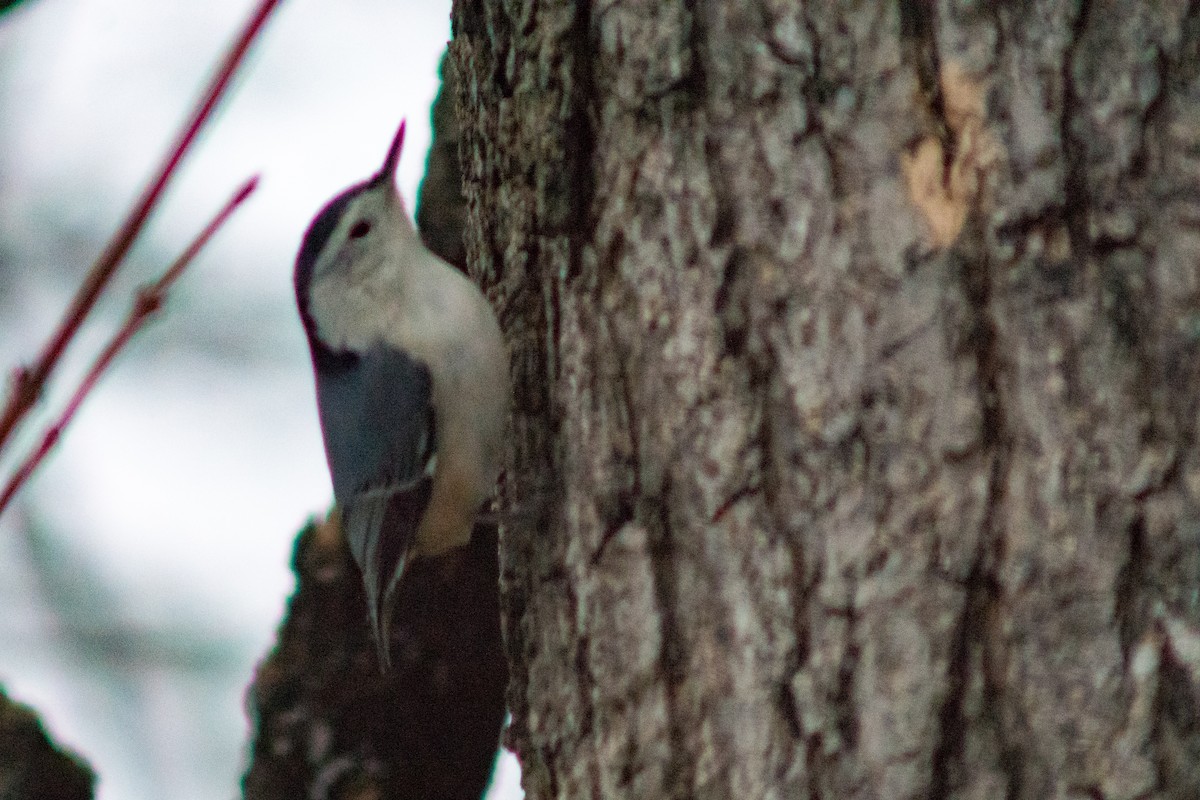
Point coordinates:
[(28, 382), (146, 302)]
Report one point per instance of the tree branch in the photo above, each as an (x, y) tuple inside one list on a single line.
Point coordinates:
[(28, 382), (146, 302)]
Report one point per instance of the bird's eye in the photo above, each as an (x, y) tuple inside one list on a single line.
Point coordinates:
[(360, 229)]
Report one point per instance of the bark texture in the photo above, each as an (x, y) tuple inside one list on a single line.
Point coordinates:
[(441, 209), (856, 353)]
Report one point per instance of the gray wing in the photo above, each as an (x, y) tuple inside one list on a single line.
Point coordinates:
[(377, 418)]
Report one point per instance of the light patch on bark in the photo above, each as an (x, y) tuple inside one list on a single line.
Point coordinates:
[(946, 193)]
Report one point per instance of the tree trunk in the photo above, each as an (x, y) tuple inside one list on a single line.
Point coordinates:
[(855, 436)]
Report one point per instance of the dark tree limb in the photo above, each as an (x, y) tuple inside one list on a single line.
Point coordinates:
[(32, 767), (328, 724)]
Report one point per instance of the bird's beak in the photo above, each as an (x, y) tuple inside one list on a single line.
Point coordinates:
[(388, 171)]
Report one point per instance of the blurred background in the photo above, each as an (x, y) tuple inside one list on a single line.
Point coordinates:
[(145, 567)]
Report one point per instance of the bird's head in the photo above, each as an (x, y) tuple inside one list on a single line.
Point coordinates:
[(352, 240), (352, 232)]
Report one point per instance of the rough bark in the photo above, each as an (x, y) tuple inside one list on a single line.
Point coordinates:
[(32, 766), (441, 208), (855, 347)]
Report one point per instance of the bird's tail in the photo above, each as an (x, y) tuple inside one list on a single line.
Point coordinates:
[(381, 529)]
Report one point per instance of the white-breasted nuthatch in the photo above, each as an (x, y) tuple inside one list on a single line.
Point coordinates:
[(412, 384)]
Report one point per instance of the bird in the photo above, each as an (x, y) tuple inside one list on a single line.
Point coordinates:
[(412, 385)]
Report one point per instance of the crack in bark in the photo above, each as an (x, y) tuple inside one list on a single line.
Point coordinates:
[(579, 136), (695, 81), (785, 705), (1075, 183), (843, 696), (654, 513), (952, 726), (1127, 610), (917, 31), (802, 589), (980, 589), (1140, 163), (623, 509), (729, 301), (816, 92), (1190, 39), (977, 283), (551, 306), (587, 681), (1178, 716), (679, 771)]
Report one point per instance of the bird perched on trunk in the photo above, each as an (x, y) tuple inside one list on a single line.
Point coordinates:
[(412, 384)]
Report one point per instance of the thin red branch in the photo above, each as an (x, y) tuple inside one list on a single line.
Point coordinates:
[(28, 381), (146, 302)]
